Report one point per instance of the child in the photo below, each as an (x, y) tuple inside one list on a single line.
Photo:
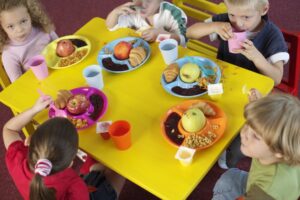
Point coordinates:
[(24, 32), (152, 18), (264, 51), (43, 171), (271, 137)]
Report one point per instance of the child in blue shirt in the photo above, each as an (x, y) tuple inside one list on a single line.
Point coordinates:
[(265, 50)]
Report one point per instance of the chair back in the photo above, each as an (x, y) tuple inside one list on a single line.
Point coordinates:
[(200, 10), (290, 81)]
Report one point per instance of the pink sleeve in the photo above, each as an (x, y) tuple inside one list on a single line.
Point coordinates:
[(53, 35), (11, 65), (78, 190)]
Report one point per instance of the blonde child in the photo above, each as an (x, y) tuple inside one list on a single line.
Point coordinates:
[(24, 32), (264, 51), (271, 137), (151, 18), (43, 170)]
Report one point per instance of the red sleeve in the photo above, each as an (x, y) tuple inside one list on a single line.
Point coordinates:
[(15, 154), (78, 190)]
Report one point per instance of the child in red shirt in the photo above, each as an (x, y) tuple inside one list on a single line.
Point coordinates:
[(43, 170)]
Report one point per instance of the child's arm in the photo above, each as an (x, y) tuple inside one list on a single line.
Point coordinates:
[(12, 128), (151, 34), (12, 66), (201, 29), (124, 9), (274, 71)]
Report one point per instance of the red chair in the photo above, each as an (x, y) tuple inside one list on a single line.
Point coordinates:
[(291, 78)]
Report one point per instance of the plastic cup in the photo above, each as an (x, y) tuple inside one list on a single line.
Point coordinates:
[(38, 66), (93, 76), (185, 155), (169, 50), (234, 43), (120, 133)]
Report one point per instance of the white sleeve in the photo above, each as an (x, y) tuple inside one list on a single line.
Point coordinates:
[(123, 22), (212, 36), (280, 56), (11, 65)]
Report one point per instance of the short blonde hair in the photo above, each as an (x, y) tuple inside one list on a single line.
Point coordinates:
[(258, 4), (277, 119), (38, 15)]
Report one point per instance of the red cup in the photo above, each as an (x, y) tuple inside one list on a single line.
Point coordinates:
[(120, 133)]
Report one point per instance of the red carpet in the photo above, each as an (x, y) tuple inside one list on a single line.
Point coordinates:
[(70, 15)]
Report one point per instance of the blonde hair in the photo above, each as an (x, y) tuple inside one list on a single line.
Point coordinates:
[(277, 119), (36, 11), (257, 4)]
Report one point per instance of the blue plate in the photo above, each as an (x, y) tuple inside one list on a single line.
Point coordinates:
[(107, 52), (207, 67)]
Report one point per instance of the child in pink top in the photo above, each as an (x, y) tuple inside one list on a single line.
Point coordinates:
[(24, 32)]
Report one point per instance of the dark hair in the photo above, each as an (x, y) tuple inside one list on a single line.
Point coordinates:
[(57, 141), (38, 15)]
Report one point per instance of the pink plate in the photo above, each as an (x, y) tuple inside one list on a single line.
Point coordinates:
[(86, 116)]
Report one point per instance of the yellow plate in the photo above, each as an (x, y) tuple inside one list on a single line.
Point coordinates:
[(82, 49)]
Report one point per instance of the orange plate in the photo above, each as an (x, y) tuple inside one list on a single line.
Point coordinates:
[(219, 120)]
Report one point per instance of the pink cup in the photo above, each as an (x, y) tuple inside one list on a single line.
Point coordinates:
[(234, 43), (38, 66)]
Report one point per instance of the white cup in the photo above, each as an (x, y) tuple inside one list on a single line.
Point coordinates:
[(93, 76), (169, 50), (185, 155)]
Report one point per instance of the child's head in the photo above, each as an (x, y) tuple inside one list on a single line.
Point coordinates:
[(149, 7), (17, 18), (56, 140), (245, 15), (272, 129)]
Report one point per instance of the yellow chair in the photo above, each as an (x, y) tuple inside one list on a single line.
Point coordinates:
[(5, 82), (200, 10)]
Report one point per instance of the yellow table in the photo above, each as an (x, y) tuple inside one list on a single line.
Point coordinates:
[(139, 98)]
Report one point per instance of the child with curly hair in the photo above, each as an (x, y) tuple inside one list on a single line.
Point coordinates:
[(24, 32), (151, 18)]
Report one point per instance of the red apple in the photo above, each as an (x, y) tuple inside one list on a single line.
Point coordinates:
[(122, 50), (78, 104), (64, 48)]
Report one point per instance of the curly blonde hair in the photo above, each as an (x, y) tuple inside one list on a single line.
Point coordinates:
[(36, 11), (276, 119)]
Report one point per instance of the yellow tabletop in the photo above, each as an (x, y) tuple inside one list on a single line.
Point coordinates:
[(138, 97)]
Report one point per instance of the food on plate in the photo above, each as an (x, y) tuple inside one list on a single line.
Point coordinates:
[(78, 104), (62, 98), (171, 128), (193, 120), (122, 50), (110, 65), (78, 123), (189, 72), (205, 107), (171, 72), (199, 140), (73, 58), (97, 103), (64, 48), (137, 55)]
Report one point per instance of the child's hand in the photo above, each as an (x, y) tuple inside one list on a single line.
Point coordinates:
[(249, 50), (254, 94), (224, 30), (150, 35), (124, 9), (42, 103)]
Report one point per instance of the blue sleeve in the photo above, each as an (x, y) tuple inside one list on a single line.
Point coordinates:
[(220, 18)]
